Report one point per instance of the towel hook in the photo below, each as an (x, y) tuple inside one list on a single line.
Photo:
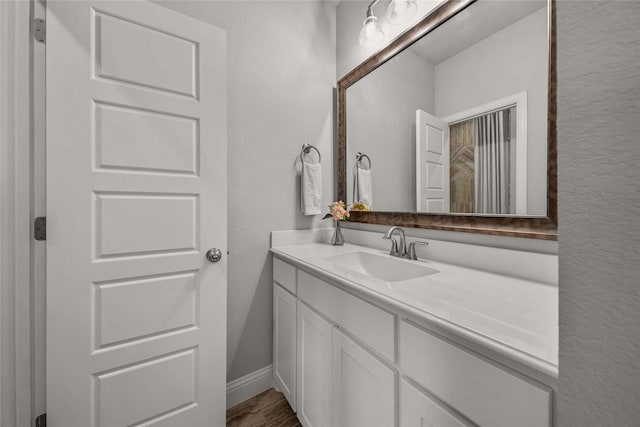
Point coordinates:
[(306, 148), (360, 156)]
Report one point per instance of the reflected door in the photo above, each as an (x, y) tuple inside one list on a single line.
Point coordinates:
[(432, 164), (136, 195)]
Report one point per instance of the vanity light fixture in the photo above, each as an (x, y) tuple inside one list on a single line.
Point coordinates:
[(371, 34), (398, 12), (401, 11)]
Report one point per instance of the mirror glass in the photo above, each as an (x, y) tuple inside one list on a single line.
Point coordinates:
[(456, 122)]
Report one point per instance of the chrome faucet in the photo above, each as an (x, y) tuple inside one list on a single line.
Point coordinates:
[(412, 249), (399, 248)]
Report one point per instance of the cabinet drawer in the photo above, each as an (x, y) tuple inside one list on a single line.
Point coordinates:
[(481, 391), (370, 324), (418, 410), (285, 275)]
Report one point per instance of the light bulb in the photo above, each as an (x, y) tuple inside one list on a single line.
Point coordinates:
[(400, 11), (371, 34)]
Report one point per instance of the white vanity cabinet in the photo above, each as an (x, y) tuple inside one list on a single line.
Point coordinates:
[(418, 409), (343, 360), (284, 331), (364, 388), (485, 393), (284, 343), (338, 382), (314, 368), (370, 324)]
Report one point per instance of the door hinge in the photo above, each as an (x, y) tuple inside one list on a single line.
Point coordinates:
[(39, 30), (41, 420), (40, 228)]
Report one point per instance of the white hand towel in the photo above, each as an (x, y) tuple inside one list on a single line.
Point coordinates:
[(365, 190), (311, 188)]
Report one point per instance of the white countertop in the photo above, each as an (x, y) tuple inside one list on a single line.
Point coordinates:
[(514, 317)]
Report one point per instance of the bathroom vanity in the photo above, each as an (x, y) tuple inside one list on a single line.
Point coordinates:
[(365, 339), (465, 336)]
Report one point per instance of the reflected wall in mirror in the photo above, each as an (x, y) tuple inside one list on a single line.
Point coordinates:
[(457, 119), (456, 122)]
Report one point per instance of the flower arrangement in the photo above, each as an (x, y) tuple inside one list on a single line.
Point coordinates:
[(360, 206), (340, 212)]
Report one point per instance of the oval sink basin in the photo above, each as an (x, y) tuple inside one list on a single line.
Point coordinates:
[(381, 267)]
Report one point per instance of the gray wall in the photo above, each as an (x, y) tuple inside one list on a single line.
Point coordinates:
[(599, 206), (382, 110), (349, 18), (497, 67), (281, 68)]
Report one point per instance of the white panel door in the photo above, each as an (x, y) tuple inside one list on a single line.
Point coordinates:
[(136, 195), (364, 388), (314, 368), (284, 343), (432, 164)]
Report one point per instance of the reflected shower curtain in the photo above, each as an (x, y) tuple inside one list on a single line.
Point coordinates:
[(491, 161)]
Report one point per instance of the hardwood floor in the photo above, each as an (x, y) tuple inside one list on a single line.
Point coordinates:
[(268, 409)]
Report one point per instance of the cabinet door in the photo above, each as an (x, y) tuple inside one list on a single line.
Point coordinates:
[(284, 343), (419, 410), (314, 368), (372, 325), (485, 393), (364, 388)]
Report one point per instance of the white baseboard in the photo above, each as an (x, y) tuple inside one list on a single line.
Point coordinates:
[(248, 386)]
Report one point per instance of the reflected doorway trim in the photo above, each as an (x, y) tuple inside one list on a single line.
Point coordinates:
[(519, 100)]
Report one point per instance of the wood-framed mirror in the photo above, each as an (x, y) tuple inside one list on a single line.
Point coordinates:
[(522, 211)]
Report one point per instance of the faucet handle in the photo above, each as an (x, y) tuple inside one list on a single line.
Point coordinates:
[(412, 248), (394, 245)]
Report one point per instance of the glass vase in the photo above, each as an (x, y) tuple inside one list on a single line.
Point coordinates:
[(337, 239)]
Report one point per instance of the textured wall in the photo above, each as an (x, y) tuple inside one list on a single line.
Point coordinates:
[(599, 207), (281, 68)]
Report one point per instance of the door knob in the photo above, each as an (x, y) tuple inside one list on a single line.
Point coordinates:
[(214, 255)]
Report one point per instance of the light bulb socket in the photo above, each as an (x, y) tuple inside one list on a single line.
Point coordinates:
[(369, 19), (401, 11), (371, 34)]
